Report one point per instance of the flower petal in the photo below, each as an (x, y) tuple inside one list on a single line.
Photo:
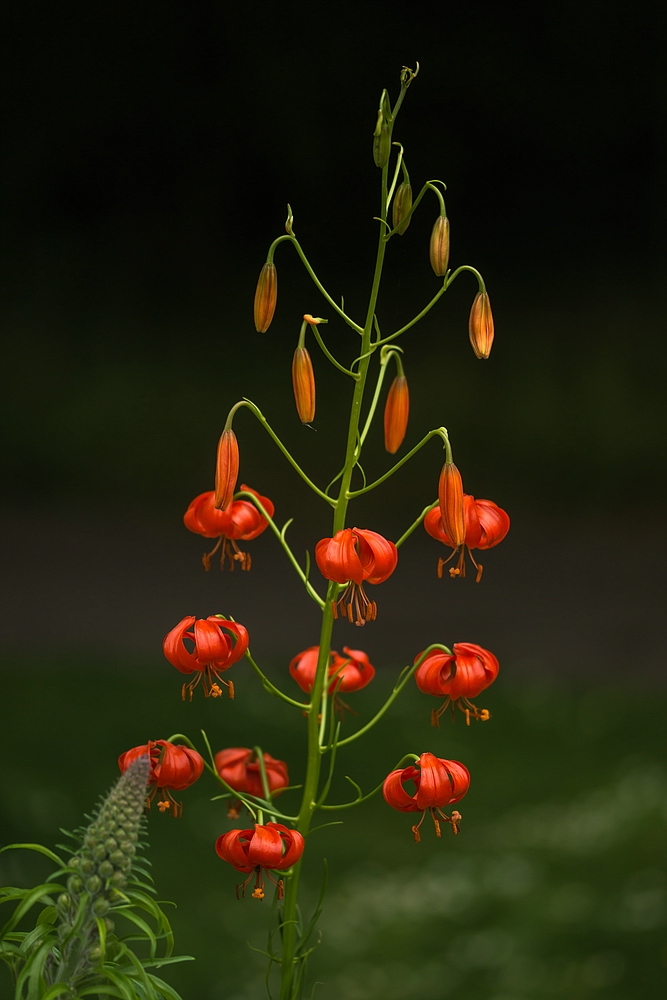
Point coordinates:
[(379, 556), (266, 846), (494, 522), (394, 793), (176, 652)]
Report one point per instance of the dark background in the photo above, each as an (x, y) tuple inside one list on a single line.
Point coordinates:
[(150, 151)]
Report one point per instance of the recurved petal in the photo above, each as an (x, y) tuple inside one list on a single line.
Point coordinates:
[(260, 524), (434, 675), (202, 518), (377, 554), (459, 776), (472, 526), (294, 844), (175, 650), (179, 768), (433, 525), (435, 786), (488, 663), (236, 649), (213, 646), (394, 793), (266, 846), (233, 848), (494, 522), (303, 667), (337, 557)]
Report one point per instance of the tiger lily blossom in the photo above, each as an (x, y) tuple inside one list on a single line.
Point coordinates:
[(460, 675), (352, 556), (268, 847), (173, 768), (241, 521), (214, 651), (438, 782), (239, 768), (485, 524)]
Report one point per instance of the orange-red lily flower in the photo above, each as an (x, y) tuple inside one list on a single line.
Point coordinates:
[(437, 783), (173, 768), (241, 521), (352, 556), (348, 673), (270, 846), (460, 675), (240, 769), (486, 524), (213, 651)]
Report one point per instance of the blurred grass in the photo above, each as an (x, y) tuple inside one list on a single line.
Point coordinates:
[(556, 886)]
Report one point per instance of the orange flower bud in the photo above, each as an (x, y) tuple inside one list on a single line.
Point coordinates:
[(396, 412), (480, 325), (227, 469), (450, 499), (303, 381), (266, 295), (401, 206), (439, 246)]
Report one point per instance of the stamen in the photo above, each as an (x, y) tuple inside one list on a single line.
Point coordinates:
[(350, 616), (334, 609), (478, 567), (415, 829), (216, 691), (438, 832)]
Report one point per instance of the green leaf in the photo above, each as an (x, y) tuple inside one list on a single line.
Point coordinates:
[(31, 897), (35, 847)]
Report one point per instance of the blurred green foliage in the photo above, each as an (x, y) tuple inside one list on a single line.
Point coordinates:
[(556, 885)]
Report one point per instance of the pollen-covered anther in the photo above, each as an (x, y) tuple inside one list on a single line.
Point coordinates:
[(163, 805), (216, 691)]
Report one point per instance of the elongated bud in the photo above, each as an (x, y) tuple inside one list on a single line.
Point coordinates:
[(303, 380), (396, 413), (401, 206), (450, 499), (438, 250), (480, 325), (266, 295), (381, 142), (227, 469)]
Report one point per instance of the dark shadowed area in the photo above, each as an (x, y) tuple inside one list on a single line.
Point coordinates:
[(150, 154)]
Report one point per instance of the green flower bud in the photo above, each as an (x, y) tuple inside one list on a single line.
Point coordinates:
[(74, 884), (64, 902), (118, 880), (87, 866), (119, 859), (110, 925), (95, 953), (111, 844), (401, 206), (101, 907), (106, 869), (127, 847), (381, 144), (93, 884), (99, 852)]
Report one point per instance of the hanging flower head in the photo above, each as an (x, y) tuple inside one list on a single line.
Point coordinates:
[(437, 783), (459, 676), (352, 556), (347, 673), (485, 523), (239, 767), (271, 846), (173, 768), (241, 521), (213, 652)]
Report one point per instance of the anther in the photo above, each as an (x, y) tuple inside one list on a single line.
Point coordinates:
[(230, 690), (415, 830)]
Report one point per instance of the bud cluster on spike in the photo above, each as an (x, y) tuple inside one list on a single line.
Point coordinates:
[(480, 325), (226, 469), (266, 296), (104, 863), (438, 250)]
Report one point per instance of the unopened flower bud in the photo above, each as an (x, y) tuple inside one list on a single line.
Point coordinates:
[(439, 246), (266, 295), (227, 469), (101, 906), (303, 380), (381, 143), (480, 325), (401, 207), (396, 412), (450, 499)]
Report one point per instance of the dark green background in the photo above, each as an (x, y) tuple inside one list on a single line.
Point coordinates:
[(150, 152)]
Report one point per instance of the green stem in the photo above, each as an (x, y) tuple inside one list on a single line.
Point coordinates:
[(255, 410), (280, 535), (364, 798), (318, 284), (272, 689), (473, 270), (384, 361), (415, 524), (398, 687), (327, 353), (438, 432), (425, 310)]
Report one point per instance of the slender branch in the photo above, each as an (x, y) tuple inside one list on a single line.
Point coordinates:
[(318, 284), (271, 688), (415, 524), (473, 270), (384, 361), (428, 186), (399, 161), (228, 788), (398, 687), (264, 422), (425, 310), (327, 353), (265, 781), (439, 432), (280, 535), (364, 798)]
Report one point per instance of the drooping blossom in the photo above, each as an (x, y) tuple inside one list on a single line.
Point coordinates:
[(173, 768), (269, 847), (240, 769), (352, 556), (486, 524), (213, 651), (437, 783), (460, 675), (347, 673), (241, 521)]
